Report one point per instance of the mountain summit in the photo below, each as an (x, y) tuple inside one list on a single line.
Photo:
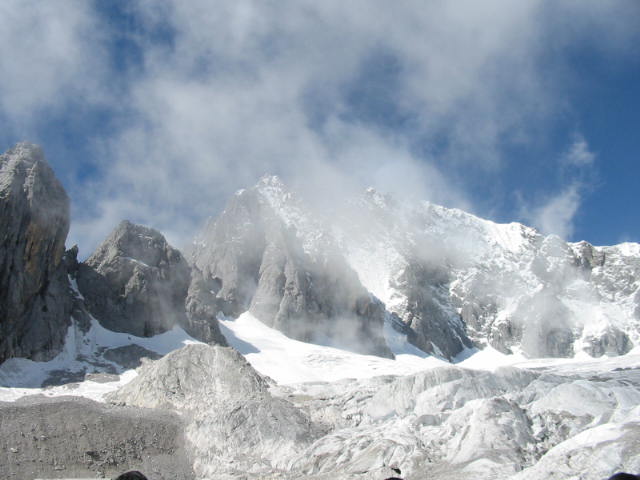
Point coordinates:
[(257, 253), (448, 279)]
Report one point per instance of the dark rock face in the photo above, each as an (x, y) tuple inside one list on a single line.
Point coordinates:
[(316, 300), (255, 262), (230, 252), (435, 327), (130, 356), (34, 221), (135, 282)]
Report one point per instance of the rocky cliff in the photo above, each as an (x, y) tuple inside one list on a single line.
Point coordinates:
[(135, 282), (34, 291), (448, 280)]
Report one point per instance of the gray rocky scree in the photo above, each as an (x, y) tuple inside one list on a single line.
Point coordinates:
[(135, 282), (255, 262), (34, 291), (71, 437)]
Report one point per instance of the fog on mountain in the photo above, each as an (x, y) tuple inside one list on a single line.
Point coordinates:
[(384, 280)]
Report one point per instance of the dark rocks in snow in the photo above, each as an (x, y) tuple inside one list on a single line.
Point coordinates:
[(612, 341), (435, 326), (129, 356), (34, 290)]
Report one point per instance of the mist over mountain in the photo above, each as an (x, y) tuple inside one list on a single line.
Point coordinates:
[(451, 281), (328, 342)]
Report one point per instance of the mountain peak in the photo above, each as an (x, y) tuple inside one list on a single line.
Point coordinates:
[(271, 183), (26, 152)]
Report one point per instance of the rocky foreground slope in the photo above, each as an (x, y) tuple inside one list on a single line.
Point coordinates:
[(68, 437), (441, 423)]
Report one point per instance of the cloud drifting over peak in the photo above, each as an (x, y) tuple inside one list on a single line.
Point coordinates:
[(416, 97)]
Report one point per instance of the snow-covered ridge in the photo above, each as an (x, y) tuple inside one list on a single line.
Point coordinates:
[(507, 282)]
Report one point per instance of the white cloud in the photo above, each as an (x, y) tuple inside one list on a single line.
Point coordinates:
[(246, 88), (557, 215), (579, 154), (232, 99), (45, 58)]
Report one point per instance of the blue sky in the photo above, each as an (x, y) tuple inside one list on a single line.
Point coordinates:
[(156, 111)]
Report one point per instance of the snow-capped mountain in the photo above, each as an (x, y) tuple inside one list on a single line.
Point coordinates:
[(263, 256), (291, 342), (454, 280)]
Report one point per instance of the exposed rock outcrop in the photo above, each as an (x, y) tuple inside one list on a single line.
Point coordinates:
[(235, 425), (34, 291), (435, 327), (135, 282), (256, 261)]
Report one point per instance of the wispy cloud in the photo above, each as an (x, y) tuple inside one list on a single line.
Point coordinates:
[(557, 214), (579, 154), (47, 58)]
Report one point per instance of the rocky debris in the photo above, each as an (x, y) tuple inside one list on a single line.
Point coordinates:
[(135, 282), (235, 425), (256, 261), (73, 437), (34, 222), (129, 356)]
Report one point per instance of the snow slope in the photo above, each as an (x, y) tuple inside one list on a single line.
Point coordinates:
[(289, 361), (81, 369)]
